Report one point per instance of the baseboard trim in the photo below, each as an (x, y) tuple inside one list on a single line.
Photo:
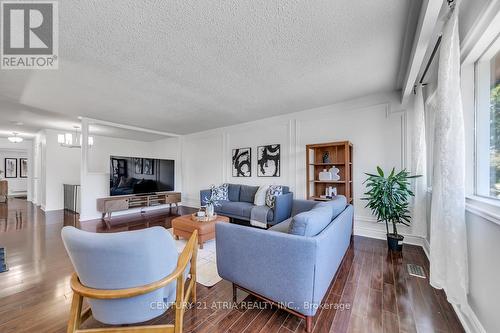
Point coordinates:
[(381, 234), (468, 318)]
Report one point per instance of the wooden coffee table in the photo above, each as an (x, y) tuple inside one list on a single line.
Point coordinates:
[(183, 226)]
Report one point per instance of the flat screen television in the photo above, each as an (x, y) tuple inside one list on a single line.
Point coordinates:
[(137, 175)]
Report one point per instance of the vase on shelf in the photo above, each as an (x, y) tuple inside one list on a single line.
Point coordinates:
[(326, 157), (210, 210), (325, 175), (335, 173)]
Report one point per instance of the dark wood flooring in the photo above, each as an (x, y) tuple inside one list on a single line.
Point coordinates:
[(372, 285)]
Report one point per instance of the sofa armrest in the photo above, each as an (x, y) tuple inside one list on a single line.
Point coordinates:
[(282, 208), (275, 265), (204, 194), (333, 243)]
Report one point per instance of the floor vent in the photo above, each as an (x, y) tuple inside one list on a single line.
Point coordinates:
[(416, 270), (3, 261)]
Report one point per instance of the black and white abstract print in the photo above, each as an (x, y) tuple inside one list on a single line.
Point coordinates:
[(268, 161), (242, 162)]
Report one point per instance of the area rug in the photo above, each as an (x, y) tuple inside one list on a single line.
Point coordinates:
[(206, 264)]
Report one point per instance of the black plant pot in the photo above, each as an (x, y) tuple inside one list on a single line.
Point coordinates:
[(395, 242)]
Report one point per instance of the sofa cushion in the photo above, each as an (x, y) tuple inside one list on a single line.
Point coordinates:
[(312, 222), (282, 226), (247, 193), (233, 192), (242, 209), (337, 205)]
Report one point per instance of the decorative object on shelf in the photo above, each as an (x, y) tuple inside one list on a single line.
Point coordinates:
[(15, 138), (242, 162), (67, 140), (23, 167), (329, 165), (326, 157), (335, 173), (388, 198), (332, 191), (325, 175), (11, 167), (269, 160), (148, 166), (137, 165)]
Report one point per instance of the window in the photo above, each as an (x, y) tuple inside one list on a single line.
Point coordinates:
[(488, 122)]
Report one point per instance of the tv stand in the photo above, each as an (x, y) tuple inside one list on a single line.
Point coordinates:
[(109, 205)]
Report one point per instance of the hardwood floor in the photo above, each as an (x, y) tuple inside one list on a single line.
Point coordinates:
[(372, 286)]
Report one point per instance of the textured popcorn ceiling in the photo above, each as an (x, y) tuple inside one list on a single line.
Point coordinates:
[(185, 66)]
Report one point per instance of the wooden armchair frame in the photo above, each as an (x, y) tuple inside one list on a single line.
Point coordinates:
[(77, 317)]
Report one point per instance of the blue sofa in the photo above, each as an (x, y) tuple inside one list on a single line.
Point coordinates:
[(295, 261), (241, 202)]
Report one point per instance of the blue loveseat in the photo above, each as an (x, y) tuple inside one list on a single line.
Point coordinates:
[(293, 262), (241, 202)]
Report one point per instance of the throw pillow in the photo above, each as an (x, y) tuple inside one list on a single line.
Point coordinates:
[(260, 196), (272, 192), (220, 192)]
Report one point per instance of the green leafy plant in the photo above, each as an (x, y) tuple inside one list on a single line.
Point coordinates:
[(388, 197)]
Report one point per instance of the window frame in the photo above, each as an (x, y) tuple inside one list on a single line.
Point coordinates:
[(484, 59)]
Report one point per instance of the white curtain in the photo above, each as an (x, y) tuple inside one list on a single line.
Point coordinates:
[(419, 167), (448, 231)]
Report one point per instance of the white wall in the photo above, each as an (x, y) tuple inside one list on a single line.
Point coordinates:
[(483, 229), (95, 182), (61, 165), (376, 125)]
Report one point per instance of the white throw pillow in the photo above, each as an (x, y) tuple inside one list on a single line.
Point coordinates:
[(260, 196)]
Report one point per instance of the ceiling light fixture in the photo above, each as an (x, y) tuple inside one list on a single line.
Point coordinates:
[(15, 138), (69, 140)]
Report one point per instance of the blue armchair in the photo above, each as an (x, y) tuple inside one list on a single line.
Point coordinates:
[(129, 277)]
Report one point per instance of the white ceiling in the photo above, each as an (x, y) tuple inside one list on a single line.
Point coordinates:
[(186, 66)]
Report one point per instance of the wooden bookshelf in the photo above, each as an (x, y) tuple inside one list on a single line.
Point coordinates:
[(340, 156)]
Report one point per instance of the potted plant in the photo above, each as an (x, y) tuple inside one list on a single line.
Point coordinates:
[(388, 198)]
